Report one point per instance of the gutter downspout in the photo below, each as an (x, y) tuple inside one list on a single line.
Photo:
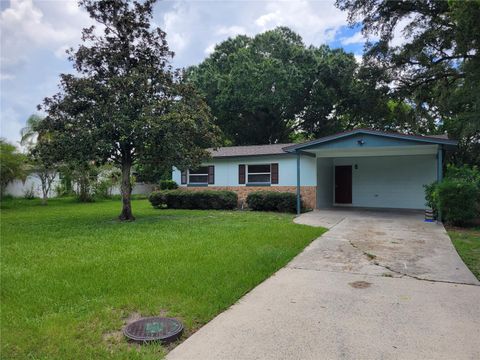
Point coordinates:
[(299, 205)]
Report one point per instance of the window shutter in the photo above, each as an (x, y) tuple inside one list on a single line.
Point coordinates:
[(274, 173), (211, 174), (184, 176), (241, 174)]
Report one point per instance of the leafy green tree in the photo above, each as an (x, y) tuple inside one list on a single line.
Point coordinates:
[(268, 88), (126, 105), (437, 70), (12, 165), (43, 163)]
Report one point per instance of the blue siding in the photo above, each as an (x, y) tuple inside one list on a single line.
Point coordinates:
[(226, 170), (369, 141), (391, 181)]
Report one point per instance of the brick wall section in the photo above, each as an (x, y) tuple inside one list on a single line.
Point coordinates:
[(309, 193)]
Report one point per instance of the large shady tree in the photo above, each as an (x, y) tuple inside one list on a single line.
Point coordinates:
[(436, 69), (272, 88), (125, 104)]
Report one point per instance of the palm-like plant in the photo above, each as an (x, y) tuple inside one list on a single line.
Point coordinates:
[(29, 134)]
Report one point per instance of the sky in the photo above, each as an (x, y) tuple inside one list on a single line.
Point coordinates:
[(35, 33)]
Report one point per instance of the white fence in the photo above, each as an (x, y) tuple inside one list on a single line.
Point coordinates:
[(18, 188)]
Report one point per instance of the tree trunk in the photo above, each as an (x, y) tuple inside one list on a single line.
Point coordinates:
[(44, 199), (126, 189), (84, 195), (43, 180)]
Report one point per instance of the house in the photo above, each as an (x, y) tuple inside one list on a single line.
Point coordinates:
[(359, 168)]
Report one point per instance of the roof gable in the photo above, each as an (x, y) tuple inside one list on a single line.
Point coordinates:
[(369, 138)]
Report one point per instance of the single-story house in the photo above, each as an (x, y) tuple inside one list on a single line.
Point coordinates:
[(359, 168)]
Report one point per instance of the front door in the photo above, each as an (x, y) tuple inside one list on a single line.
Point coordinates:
[(343, 184)]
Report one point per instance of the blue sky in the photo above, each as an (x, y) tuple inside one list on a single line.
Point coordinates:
[(35, 33)]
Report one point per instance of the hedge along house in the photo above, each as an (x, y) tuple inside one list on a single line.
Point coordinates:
[(359, 168)]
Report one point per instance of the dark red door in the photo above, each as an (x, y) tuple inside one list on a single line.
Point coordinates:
[(343, 184)]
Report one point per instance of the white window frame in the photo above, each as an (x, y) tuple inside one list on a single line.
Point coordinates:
[(198, 183), (247, 173)]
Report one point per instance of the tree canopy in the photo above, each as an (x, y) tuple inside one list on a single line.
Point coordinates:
[(126, 104), (267, 88), (12, 165), (437, 68)]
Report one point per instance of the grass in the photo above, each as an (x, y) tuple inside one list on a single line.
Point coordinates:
[(71, 273), (467, 243)]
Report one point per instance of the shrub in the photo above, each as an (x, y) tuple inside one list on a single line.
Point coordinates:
[(465, 172), (102, 189), (204, 200), (62, 190), (29, 194), (457, 200), (168, 185), (158, 199), (272, 201), (457, 196), (431, 197)]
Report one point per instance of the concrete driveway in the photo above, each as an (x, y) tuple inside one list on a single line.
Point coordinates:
[(377, 285)]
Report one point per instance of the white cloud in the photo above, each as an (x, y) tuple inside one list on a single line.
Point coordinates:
[(61, 52), (25, 27), (231, 31), (11, 125), (265, 20), (356, 38), (209, 49), (177, 24), (317, 22), (35, 33), (4, 76), (400, 37), (358, 58)]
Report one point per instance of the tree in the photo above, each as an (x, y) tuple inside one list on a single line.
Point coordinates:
[(127, 105), (12, 165), (437, 70), (267, 88), (43, 163)]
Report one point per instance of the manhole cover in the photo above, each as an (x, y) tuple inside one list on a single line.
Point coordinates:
[(360, 284), (154, 329)]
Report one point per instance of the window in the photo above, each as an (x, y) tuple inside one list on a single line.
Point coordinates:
[(198, 176), (258, 174)]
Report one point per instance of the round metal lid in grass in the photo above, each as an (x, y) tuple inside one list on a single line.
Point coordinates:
[(154, 329)]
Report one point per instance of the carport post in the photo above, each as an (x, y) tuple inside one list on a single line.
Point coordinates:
[(298, 185), (440, 164), (439, 174)]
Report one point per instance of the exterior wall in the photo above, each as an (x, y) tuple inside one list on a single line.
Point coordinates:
[(17, 188), (390, 181), (324, 182), (226, 170), (308, 193), (138, 188)]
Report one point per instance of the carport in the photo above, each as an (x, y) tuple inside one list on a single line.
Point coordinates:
[(367, 168)]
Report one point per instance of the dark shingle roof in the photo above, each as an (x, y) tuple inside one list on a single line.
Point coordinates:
[(251, 150), (279, 149)]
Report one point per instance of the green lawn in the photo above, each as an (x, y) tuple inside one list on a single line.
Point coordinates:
[(467, 243), (71, 273)]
